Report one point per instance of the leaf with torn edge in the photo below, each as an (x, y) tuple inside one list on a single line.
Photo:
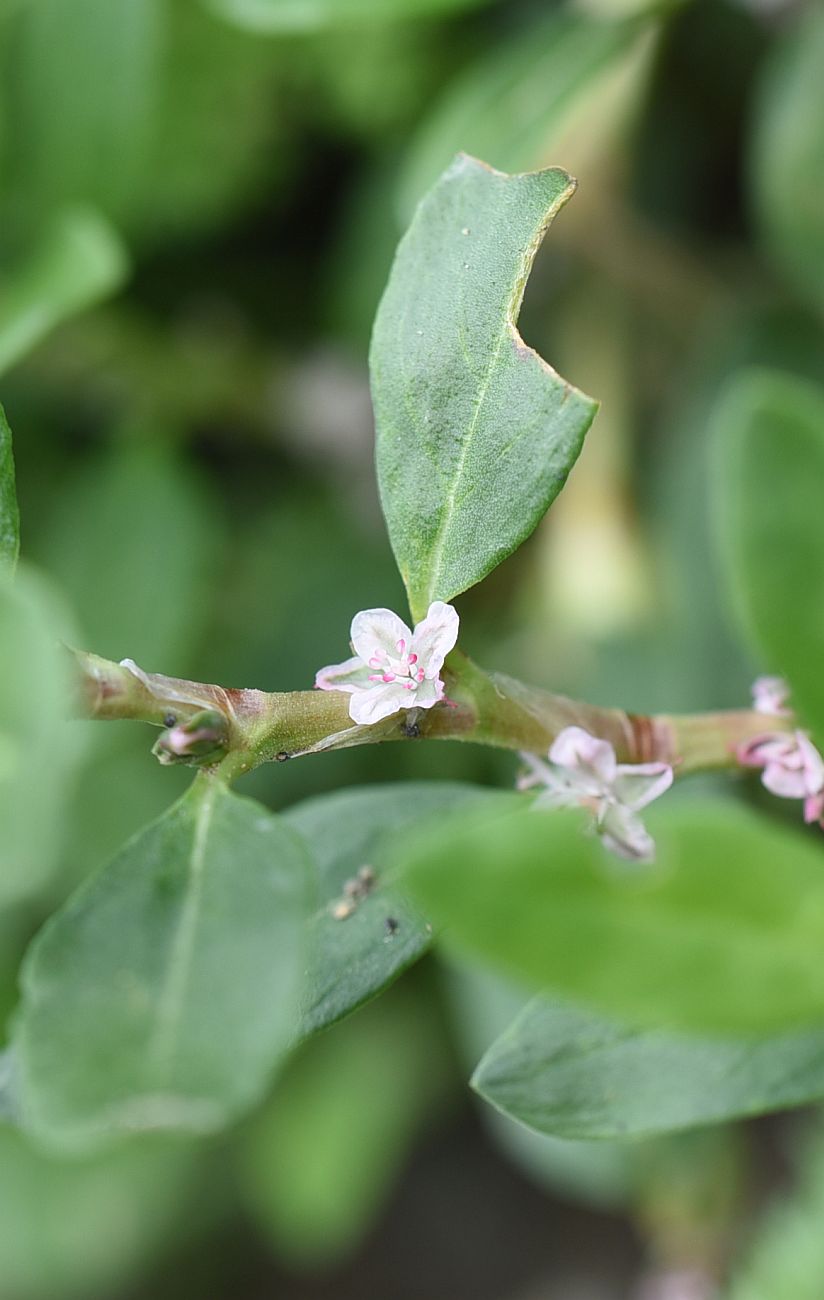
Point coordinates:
[(476, 434)]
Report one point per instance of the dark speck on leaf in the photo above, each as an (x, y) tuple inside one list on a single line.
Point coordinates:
[(169, 720), (282, 756), (391, 927)]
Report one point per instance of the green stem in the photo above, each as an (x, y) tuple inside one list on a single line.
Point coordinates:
[(484, 708)]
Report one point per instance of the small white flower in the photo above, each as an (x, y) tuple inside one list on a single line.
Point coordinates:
[(584, 771), (393, 668), (791, 766), (770, 695)]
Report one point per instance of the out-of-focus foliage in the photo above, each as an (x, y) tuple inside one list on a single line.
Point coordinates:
[(786, 1255), (787, 158), (307, 15), (34, 686), (194, 467), (325, 1151), (74, 261), (9, 513), (770, 469), (710, 938)]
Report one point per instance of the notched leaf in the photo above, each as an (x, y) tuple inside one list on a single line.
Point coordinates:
[(476, 433)]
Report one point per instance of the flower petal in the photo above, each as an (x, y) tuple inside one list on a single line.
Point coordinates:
[(378, 629), (786, 782), (812, 763), (586, 755), (770, 695), (814, 808), (435, 636), (625, 834), (378, 701), (770, 748), (427, 693), (538, 772), (637, 784), (351, 675)]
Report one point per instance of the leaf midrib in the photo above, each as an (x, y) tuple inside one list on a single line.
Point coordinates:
[(172, 995), (508, 329)]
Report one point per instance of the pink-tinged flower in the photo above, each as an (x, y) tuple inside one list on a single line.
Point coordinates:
[(770, 695), (393, 668), (584, 771), (792, 768)]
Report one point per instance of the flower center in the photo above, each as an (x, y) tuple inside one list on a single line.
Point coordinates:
[(402, 667)]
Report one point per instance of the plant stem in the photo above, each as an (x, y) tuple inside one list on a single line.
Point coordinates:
[(484, 708)]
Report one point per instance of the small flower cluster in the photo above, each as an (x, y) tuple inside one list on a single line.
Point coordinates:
[(583, 771), (791, 766), (393, 668)]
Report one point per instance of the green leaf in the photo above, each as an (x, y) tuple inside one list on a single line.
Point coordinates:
[(787, 154), (353, 958), (108, 541), (9, 514), (318, 1163), (77, 261), (723, 934), (163, 994), (80, 86), (482, 1006), (786, 1256), (85, 1227), (518, 105), (574, 1074), (476, 434), (313, 15), (37, 746), (769, 471)]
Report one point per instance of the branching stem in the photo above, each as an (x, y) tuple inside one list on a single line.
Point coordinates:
[(485, 708)]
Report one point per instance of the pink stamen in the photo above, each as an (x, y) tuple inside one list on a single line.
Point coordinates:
[(388, 677), (376, 677), (420, 674), (401, 646), (413, 659), (375, 661), (409, 686)]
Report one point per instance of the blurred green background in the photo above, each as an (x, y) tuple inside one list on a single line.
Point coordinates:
[(199, 201)]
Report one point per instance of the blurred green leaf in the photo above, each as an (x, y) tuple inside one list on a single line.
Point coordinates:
[(77, 260), (769, 472), (162, 995), (37, 745), (134, 537), (724, 934), (515, 106), (574, 1074), (221, 135), (475, 433), (81, 83), (318, 1163), (353, 958), (787, 152), (9, 514), (786, 1256), (77, 1228), (311, 15), (594, 1173)]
